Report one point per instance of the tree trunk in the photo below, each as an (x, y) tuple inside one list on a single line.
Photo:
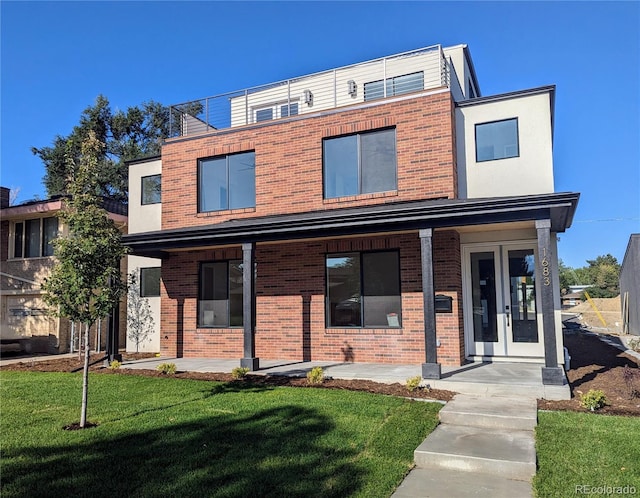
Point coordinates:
[(85, 378)]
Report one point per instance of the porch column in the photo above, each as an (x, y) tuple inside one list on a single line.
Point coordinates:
[(431, 367), (249, 307), (552, 374)]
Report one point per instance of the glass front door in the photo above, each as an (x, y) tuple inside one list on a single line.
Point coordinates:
[(501, 317)]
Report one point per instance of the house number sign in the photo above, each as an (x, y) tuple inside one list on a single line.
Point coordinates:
[(546, 271)]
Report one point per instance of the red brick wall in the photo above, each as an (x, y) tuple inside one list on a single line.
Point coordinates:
[(289, 160), (290, 315)]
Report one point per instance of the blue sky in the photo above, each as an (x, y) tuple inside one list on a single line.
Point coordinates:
[(57, 57)]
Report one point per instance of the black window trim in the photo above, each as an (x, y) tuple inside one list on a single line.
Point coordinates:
[(142, 178), (200, 266), (141, 293), (199, 178), (475, 138), (359, 151), (327, 325)]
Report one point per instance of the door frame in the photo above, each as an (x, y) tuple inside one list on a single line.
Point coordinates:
[(506, 349)]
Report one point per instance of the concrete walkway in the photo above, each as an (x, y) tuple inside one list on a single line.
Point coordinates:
[(500, 379), (484, 446)]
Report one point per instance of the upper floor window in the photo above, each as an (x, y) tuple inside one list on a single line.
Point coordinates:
[(32, 238), (497, 140), (220, 296), (273, 111), (360, 164), (363, 289), (396, 85), (150, 282), (151, 189), (227, 182)]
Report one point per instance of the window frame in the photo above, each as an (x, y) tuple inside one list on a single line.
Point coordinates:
[(517, 136), (228, 325), (226, 157), (142, 190), (45, 249), (361, 275), (148, 269), (388, 86), (359, 166), (277, 110)]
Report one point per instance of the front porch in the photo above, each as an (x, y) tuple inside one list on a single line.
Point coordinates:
[(497, 379)]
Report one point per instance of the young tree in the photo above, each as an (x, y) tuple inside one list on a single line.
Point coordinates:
[(140, 323), (85, 283), (127, 135), (604, 276)]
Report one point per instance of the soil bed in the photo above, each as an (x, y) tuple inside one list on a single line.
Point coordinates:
[(594, 365)]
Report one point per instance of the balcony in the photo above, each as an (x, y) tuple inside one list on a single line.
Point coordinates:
[(422, 69)]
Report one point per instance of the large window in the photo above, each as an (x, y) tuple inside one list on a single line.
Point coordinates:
[(32, 238), (227, 182), (150, 282), (397, 85), (360, 164), (151, 189), (363, 290), (497, 140), (220, 299)]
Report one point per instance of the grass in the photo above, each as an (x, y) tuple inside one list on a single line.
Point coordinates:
[(586, 449), (161, 437)]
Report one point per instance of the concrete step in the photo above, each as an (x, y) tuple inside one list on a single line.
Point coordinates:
[(491, 412), (507, 453), (437, 483)]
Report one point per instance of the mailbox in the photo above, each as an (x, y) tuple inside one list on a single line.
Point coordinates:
[(444, 304)]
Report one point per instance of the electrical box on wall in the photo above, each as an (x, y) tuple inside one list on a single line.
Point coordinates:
[(444, 304)]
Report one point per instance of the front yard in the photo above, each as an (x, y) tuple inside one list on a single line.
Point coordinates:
[(175, 437)]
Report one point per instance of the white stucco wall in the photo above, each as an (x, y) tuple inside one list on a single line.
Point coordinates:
[(152, 343), (143, 218), (531, 172)]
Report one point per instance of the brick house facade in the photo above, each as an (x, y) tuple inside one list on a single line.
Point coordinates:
[(377, 229)]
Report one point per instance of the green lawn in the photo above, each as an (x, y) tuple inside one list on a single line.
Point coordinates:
[(601, 453), (164, 437)]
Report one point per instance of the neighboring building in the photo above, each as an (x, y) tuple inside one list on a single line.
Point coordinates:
[(26, 259), (387, 211), (630, 287), (571, 299)]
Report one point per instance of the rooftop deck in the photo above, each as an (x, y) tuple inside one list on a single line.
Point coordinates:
[(408, 72)]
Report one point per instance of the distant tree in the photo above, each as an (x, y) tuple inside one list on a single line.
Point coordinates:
[(567, 276), (86, 283), (603, 274), (127, 135), (140, 323)]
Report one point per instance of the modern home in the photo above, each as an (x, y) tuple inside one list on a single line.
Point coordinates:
[(381, 212), (630, 286), (26, 259)]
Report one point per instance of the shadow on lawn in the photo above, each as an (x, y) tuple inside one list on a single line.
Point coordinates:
[(270, 453)]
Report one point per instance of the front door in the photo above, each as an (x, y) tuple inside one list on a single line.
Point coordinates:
[(501, 317)]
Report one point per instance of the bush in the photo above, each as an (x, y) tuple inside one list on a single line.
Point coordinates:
[(634, 345), (239, 372), (167, 368), (593, 400), (115, 365), (413, 383), (315, 376)]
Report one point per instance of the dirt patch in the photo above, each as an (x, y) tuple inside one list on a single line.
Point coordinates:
[(97, 365), (597, 365)]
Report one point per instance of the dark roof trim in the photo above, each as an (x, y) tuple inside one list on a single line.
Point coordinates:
[(442, 213), (142, 160), (507, 96)]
